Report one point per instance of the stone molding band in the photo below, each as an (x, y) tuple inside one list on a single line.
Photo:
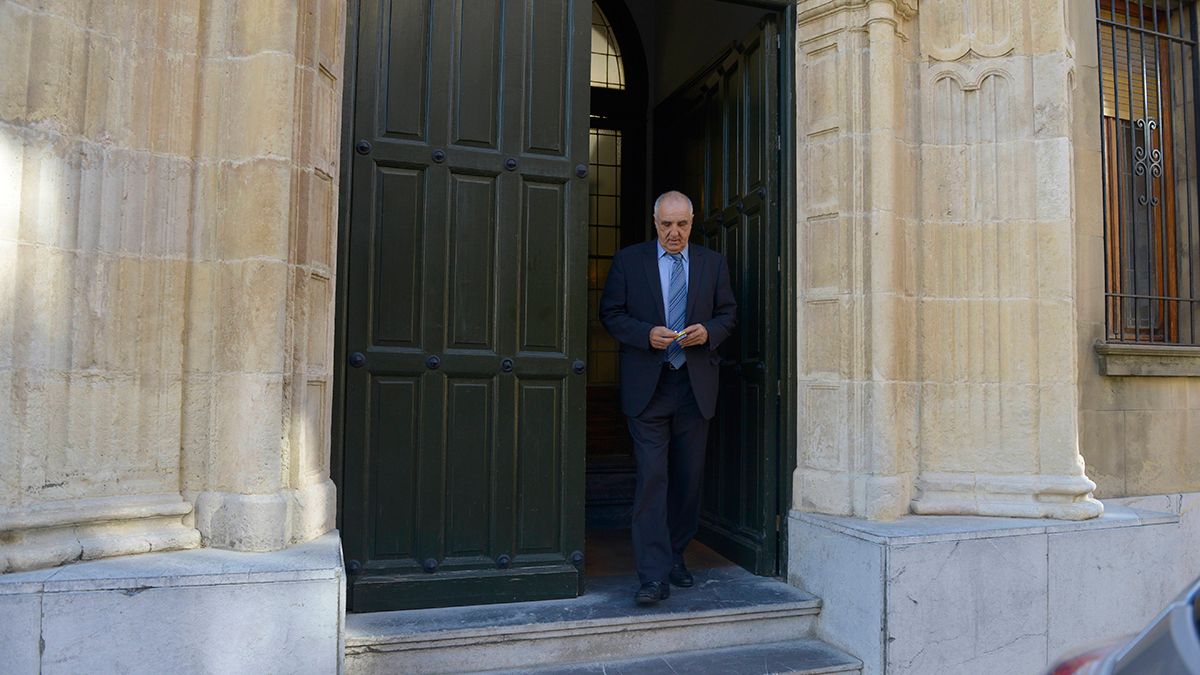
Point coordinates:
[(59, 532), (1014, 496), (81, 511)]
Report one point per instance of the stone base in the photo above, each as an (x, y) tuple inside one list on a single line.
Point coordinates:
[(195, 611), (1060, 497), (942, 594), (265, 522), (54, 533)]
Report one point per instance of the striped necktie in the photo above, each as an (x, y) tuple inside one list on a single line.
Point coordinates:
[(676, 308)]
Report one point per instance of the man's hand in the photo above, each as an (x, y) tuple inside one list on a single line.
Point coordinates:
[(661, 336), (697, 334)]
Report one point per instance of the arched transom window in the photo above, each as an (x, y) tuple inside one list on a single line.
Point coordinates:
[(608, 71)]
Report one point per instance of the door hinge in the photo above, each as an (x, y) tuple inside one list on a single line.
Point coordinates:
[(779, 40), (778, 389), (778, 263), (778, 142), (778, 522)]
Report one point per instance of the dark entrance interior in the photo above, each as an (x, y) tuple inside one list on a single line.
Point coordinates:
[(685, 95), (496, 154)]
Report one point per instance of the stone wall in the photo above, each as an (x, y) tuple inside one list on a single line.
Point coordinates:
[(1137, 433), (167, 204)]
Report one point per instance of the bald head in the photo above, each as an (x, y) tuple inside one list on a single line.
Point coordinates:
[(672, 197), (673, 220)]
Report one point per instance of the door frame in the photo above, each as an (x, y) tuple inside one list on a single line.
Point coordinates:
[(341, 291), (787, 200)]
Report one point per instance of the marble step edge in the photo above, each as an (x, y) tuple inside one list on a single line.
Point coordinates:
[(565, 629), (811, 655)]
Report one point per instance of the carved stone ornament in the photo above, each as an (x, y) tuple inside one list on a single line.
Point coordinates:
[(952, 29)]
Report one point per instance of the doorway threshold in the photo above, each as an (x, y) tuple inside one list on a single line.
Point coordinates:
[(727, 607)]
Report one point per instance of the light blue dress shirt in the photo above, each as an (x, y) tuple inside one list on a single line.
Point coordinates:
[(664, 276)]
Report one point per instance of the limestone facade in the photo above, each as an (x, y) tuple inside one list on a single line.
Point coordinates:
[(167, 216), (167, 210)]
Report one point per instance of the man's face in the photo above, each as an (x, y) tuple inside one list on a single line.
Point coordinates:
[(674, 225)]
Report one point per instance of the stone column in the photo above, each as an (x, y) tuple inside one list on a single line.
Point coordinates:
[(96, 140), (855, 135), (996, 316), (166, 229), (937, 364), (258, 368)]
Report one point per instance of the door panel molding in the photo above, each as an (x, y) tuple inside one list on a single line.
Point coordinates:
[(463, 253)]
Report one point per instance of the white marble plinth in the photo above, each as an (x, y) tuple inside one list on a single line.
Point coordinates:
[(199, 611), (959, 594)]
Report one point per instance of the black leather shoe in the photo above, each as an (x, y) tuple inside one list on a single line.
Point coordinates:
[(680, 576), (651, 592)]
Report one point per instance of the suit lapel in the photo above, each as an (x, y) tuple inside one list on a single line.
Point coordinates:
[(695, 275), (653, 282)]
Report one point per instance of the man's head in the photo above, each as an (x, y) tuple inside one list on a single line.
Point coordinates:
[(673, 220)]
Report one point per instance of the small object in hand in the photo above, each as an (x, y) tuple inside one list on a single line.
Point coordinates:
[(680, 335)]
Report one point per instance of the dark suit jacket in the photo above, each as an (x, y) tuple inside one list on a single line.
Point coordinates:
[(632, 305)]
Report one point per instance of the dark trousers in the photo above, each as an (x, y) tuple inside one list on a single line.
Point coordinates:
[(669, 439)]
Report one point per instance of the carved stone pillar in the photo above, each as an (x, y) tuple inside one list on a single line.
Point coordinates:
[(167, 209), (260, 307), (999, 401), (96, 120), (937, 364), (855, 137)]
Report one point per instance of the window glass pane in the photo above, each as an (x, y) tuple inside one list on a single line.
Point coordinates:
[(608, 71), (604, 232)]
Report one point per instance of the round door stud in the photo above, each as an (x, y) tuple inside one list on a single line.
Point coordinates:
[(581, 170), (363, 147), (577, 558), (762, 193), (353, 567), (510, 164), (433, 362), (741, 207), (439, 155), (430, 565), (503, 562), (578, 367), (357, 360), (506, 365)]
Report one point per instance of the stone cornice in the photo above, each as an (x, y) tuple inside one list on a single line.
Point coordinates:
[(811, 10)]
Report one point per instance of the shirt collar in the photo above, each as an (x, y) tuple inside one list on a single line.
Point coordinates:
[(662, 251)]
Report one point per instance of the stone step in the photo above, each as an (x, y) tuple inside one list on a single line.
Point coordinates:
[(727, 607), (795, 657)]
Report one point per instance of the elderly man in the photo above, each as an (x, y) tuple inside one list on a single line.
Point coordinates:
[(670, 306)]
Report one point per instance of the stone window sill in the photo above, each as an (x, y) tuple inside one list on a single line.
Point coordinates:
[(1148, 360)]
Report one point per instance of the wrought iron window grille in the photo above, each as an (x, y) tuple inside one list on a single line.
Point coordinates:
[(1149, 82)]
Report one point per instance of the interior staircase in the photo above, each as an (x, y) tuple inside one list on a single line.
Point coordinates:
[(730, 622)]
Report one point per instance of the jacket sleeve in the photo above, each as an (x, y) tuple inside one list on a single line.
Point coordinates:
[(614, 309), (724, 318)]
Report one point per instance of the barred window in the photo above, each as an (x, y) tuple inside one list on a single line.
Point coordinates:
[(604, 189), (1148, 92)]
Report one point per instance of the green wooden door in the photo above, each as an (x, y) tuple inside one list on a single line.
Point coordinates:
[(465, 306), (722, 132)]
